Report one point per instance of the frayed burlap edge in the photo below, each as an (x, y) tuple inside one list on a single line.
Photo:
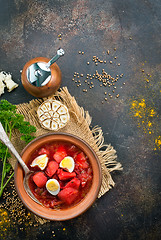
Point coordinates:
[(79, 125)]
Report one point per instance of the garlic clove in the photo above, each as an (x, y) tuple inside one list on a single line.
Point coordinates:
[(40, 112), (48, 105), (55, 105), (54, 125), (62, 110), (64, 118), (46, 123)]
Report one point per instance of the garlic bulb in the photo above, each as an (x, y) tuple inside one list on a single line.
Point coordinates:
[(53, 115)]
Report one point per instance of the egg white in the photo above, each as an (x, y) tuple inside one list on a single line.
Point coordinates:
[(40, 161), (55, 184)]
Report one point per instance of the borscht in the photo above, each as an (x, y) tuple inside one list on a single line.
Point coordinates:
[(62, 174)]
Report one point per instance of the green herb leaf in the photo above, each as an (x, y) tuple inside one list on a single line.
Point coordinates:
[(8, 167), (12, 120), (3, 149)]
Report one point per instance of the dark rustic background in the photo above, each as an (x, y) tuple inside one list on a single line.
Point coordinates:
[(28, 29)]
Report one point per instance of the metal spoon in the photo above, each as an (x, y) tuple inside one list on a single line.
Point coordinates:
[(4, 138)]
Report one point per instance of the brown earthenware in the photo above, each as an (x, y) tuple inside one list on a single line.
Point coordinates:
[(71, 212), (50, 88)]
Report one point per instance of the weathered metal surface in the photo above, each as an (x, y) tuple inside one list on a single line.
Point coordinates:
[(28, 29)]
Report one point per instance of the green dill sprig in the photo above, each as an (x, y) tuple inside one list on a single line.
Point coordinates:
[(12, 120)]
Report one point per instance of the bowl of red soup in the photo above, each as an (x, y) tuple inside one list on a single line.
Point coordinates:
[(66, 176)]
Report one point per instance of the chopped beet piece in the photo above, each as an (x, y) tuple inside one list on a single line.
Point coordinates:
[(62, 184), (40, 179), (51, 168), (55, 176), (84, 178), (43, 151), (81, 161), (81, 157), (72, 151), (60, 154), (74, 183), (66, 175), (68, 195)]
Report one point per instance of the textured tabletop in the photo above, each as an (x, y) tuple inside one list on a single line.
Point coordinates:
[(112, 66)]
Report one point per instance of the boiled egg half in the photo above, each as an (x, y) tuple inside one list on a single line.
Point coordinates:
[(53, 186), (40, 161), (68, 164)]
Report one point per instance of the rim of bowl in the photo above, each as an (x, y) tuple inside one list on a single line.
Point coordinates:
[(71, 212)]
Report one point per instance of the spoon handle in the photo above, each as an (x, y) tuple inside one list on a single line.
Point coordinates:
[(60, 53), (4, 138)]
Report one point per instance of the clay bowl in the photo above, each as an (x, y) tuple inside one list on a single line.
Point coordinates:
[(44, 91), (73, 211)]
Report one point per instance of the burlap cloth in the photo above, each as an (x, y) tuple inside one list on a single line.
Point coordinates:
[(78, 125)]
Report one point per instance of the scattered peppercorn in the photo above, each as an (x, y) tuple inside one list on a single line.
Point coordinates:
[(17, 213), (105, 79)]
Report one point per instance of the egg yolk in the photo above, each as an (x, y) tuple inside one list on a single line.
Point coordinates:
[(67, 163), (52, 186), (41, 161)]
